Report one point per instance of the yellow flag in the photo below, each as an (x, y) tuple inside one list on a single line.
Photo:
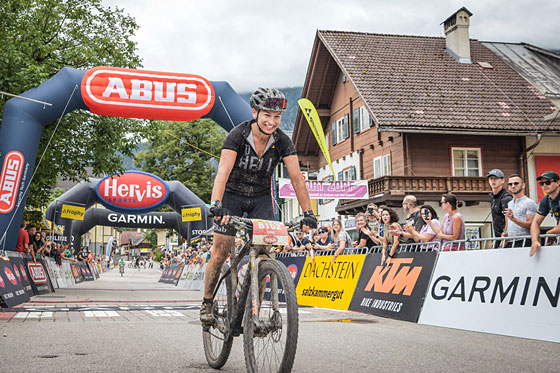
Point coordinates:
[(310, 113)]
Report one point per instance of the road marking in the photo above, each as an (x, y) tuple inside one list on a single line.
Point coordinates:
[(34, 315), (45, 315), (124, 308), (164, 313), (21, 315)]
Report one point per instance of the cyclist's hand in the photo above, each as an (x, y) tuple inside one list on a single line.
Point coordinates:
[(309, 219), (219, 213)]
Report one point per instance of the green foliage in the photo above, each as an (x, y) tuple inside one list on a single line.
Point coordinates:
[(151, 237), (39, 38), (183, 151), (158, 254)]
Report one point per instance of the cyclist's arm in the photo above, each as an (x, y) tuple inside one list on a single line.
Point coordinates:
[(227, 160), (292, 165)]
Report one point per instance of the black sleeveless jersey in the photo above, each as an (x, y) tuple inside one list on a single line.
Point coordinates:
[(251, 175)]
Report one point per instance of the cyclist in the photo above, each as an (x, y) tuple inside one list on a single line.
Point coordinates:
[(249, 155)]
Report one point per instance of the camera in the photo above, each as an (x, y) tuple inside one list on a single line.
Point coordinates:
[(427, 214), (370, 210), (556, 211)]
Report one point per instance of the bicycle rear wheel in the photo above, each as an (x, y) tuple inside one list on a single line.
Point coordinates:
[(217, 339), (272, 346)]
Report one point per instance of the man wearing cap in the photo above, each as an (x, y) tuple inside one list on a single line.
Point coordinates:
[(500, 198), (549, 204)]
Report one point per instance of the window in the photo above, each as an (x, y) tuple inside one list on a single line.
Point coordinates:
[(382, 166), (466, 162), (361, 119), (340, 129), (347, 174), (364, 119)]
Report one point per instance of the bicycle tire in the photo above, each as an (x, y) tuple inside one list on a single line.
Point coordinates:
[(217, 350), (252, 342)]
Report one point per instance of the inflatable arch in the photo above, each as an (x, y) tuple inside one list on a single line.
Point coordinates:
[(104, 91), (130, 196)]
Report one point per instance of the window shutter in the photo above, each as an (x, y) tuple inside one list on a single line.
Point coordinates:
[(377, 167), (346, 126), (333, 130), (353, 173), (340, 176), (356, 120)]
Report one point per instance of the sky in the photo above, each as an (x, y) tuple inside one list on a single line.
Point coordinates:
[(268, 43)]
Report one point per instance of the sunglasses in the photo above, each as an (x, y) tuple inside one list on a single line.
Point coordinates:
[(442, 202), (276, 103), (548, 182), (322, 231), (514, 183)]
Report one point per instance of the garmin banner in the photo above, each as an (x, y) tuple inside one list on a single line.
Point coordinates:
[(502, 291), (11, 289), (396, 290)]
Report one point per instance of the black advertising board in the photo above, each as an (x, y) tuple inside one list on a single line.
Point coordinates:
[(76, 272), (165, 274), (86, 272), (396, 290), (171, 274), (22, 274), (38, 277), (295, 267), (176, 275), (11, 289)]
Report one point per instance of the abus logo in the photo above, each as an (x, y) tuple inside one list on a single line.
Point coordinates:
[(394, 278), (146, 94), (10, 276), (133, 191), (9, 180), (37, 273)]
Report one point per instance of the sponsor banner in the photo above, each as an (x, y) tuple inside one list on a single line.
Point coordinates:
[(146, 94), (93, 269), (11, 290), (295, 266), (356, 189), (267, 232), (172, 274), (58, 272), (76, 272), (86, 271), (68, 273), (184, 276), (496, 291), (132, 192), (38, 277), (72, 212), (328, 284), (197, 278), (191, 214), (9, 180), (49, 263), (19, 264), (396, 290)]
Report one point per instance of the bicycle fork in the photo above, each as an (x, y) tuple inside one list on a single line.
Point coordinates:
[(257, 296)]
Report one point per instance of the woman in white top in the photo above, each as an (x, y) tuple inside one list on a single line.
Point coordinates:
[(341, 238)]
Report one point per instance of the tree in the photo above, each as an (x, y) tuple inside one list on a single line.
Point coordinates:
[(183, 151), (39, 38)]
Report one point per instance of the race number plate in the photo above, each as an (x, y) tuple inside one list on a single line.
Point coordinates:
[(266, 232)]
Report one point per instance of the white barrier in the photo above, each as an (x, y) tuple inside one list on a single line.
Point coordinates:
[(193, 277), (502, 291), (51, 265)]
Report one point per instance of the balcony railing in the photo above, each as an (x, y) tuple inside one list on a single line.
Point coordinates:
[(427, 184)]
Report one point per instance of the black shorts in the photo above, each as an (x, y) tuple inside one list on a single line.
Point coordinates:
[(259, 207)]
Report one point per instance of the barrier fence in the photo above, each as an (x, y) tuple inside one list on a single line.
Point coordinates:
[(487, 285), (21, 277)]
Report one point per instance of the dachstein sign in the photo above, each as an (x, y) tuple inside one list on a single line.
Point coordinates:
[(501, 291), (396, 290)]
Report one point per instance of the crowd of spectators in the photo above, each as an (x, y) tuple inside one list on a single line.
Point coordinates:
[(513, 214)]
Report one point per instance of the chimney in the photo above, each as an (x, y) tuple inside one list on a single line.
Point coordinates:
[(457, 42)]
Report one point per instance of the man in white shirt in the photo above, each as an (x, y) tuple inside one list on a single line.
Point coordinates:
[(520, 212)]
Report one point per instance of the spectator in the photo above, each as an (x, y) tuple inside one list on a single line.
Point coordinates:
[(367, 237), (500, 198), (22, 244), (341, 239), (549, 204), (31, 231), (67, 253), (413, 217), (297, 240), (38, 244), (372, 214), (426, 233), (81, 256), (393, 233), (453, 225), (520, 211), (324, 241)]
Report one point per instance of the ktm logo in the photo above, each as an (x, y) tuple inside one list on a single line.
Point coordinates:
[(398, 277)]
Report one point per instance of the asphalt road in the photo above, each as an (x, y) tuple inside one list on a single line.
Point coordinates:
[(135, 324)]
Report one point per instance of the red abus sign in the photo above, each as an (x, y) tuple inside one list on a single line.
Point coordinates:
[(9, 180), (133, 191), (37, 272), (146, 94)]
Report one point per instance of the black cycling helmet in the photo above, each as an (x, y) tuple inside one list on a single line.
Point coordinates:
[(269, 99)]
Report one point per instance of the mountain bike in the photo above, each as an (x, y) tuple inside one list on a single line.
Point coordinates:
[(261, 305)]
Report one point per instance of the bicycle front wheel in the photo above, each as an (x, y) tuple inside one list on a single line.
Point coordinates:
[(217, 339), (270, 337)]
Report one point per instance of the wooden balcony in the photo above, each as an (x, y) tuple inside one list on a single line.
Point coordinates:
[(390, 190)]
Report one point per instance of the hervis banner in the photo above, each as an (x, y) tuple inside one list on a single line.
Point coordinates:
[(497, 291), (328, 284), (396, 290)]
